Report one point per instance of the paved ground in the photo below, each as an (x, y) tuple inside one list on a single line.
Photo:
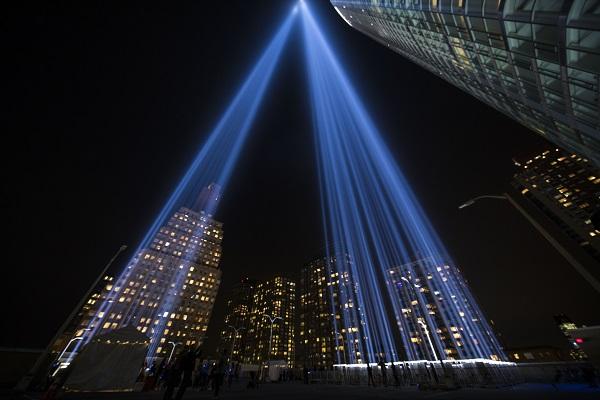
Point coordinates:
[(298, 391)]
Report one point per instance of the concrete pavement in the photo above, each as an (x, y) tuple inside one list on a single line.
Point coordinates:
[(298, 391)]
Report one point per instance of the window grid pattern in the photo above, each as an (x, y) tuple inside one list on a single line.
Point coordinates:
[(537, 61)]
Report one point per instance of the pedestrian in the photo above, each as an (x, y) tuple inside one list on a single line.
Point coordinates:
[(204, 373), (395, 374), (383, 372), (230, 373), (173, 377), (219, 372), (371, 380), (188, 363)]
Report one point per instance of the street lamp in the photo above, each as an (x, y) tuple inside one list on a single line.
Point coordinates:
[(272, 320), (564, 252), (59, 366), (62, 353), (235, 333), (25, 381), (172, 350)]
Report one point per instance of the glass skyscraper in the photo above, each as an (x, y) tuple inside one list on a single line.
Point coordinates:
[(537, 61)]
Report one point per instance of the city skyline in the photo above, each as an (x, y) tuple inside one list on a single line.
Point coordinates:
[(300, 250)]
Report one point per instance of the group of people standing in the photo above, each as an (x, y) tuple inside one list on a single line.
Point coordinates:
[(384, 375), (189, 370)]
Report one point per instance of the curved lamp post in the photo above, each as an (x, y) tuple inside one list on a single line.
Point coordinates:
[(564, 252), (272, 320)]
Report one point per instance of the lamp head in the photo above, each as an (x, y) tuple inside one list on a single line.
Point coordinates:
[(466, 204)]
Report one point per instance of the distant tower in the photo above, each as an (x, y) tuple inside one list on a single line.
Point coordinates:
[(565, 324), (275, 297), (237, 315), (208, 199), (169, 288), (437, 315), (566, 188), (329, 320)]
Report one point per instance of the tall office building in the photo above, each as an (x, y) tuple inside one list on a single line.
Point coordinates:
[(437, 316), (237, 318), (566, 188), (324, 300), (536, 61), (169, 288), (277, 298)]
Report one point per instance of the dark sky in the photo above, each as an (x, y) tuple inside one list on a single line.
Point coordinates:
[(106, 108)]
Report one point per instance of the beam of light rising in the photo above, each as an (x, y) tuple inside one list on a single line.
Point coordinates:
[(213, 164), (376, 228)]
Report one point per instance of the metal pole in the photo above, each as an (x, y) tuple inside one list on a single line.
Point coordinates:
[(27, 378), (424, 326), (235, 333), (557, 246), (563, 252), (272, 320), (172, 350), (438, 357)]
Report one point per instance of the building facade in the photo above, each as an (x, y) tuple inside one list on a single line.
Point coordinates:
[(537, 61), (566, 326), (275, 297), (323, 338), (536, 354), (437, 316), (168, 290), (237, 318), (566, 188)]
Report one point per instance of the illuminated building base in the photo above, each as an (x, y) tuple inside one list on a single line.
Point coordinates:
[(452, 363)]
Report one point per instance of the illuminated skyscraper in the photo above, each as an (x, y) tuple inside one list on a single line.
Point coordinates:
[(178, 272), (438, 317), (566, 188), (277, 298), (537, 61), (325, 299), (237, 318)]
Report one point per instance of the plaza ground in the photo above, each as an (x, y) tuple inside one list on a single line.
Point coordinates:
[(298, 391)]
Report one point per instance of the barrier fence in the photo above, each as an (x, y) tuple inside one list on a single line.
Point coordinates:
[(455, 374)]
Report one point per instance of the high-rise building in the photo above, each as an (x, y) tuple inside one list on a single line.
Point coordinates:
[(566, 188), (437, 316), (324, 300), (274, 298), (170, 287), (536, 61), (566, 324), (237, 318)]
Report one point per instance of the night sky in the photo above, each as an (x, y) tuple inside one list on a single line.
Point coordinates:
[(107, 107)]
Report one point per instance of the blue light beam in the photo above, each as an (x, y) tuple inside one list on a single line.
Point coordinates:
[(214, 163), (373, 219)]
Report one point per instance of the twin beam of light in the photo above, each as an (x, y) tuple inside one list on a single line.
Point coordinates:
[(213, 164), (376, 228)]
